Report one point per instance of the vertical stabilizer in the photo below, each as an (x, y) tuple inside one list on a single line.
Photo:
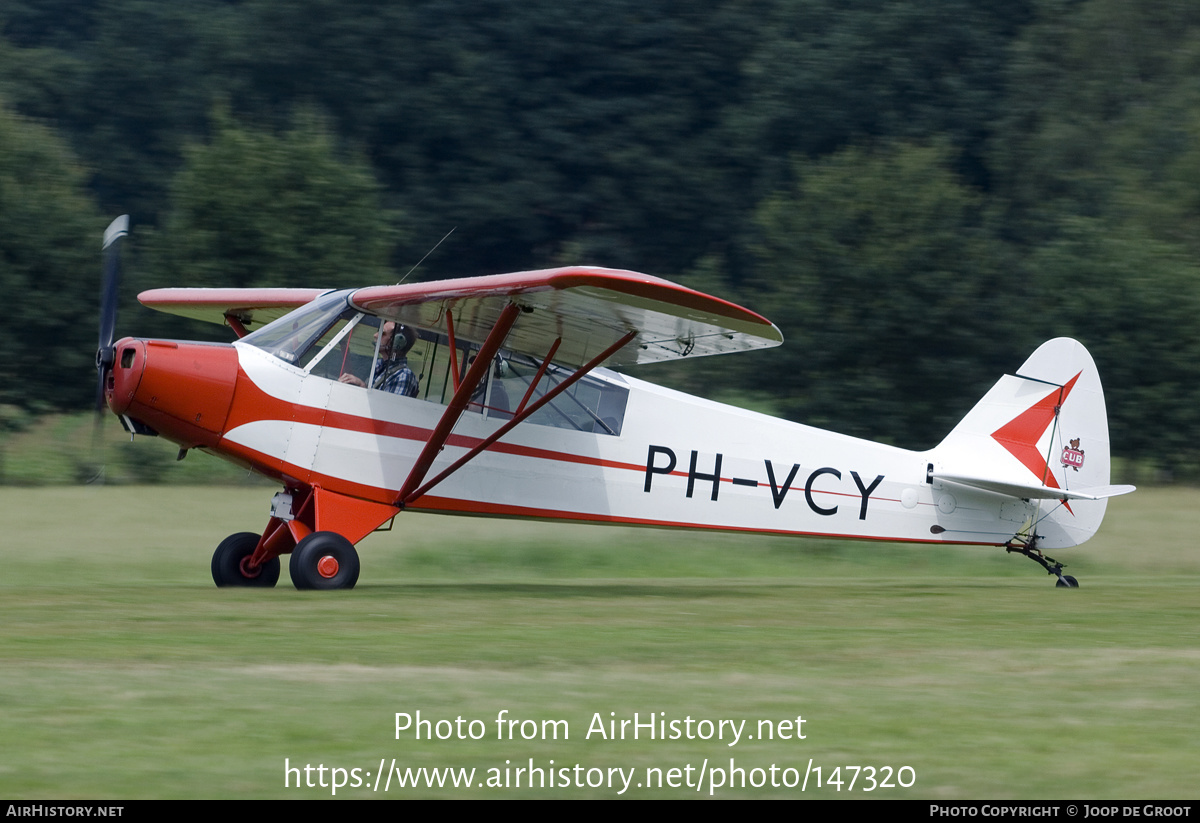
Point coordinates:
[(1040, 435)]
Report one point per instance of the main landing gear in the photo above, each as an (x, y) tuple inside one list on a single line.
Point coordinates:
[(1052, 566), (318, 528)]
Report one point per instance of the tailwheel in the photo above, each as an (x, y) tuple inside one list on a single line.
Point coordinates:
[(1052, 566), (324, 560), (230, 563)]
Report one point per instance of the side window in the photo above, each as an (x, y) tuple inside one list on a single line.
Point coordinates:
[(349, 350), (393, 372), (430, 359), (346, 349), (591, 404), (352, 350)]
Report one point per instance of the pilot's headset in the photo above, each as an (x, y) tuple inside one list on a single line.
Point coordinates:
[(410, 340)]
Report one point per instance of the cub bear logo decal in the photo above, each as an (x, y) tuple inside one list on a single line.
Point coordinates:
[(1072, 455)]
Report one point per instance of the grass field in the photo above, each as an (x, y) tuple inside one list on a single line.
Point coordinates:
[(61, 449), (125, 673)]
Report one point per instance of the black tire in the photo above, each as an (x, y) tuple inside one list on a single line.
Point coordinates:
[(227, 563), (1067, 582), (324, 560)]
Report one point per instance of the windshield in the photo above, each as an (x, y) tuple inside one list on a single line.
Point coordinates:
[(290, 337)]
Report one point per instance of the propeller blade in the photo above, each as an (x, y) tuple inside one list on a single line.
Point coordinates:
[(110, 292)]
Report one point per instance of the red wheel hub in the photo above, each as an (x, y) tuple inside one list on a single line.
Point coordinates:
[(249, 572), (327, 566)]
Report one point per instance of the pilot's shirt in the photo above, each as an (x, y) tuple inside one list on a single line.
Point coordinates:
[(398, 377)]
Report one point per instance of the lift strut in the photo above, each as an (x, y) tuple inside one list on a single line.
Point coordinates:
[(438, 439)]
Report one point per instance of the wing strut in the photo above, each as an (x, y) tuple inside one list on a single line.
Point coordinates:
[(537, 378), (454, 372), (522, 415), (234, 322), (458, 403)]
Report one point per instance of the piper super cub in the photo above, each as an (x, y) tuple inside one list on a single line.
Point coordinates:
[(491, 396)]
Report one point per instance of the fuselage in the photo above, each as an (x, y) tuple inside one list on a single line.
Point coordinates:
[(675, 460)]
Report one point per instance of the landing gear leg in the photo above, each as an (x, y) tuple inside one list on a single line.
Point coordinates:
[(1052, 566)]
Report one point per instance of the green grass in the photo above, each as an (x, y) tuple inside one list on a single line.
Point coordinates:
[(58, 449), (124, 673)]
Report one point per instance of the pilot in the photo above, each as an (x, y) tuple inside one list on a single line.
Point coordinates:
[(392, 373)]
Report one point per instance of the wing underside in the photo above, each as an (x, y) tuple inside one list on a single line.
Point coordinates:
[(587, 309), (252, 308)]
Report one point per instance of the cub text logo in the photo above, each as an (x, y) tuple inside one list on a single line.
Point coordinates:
[(1072, 455)]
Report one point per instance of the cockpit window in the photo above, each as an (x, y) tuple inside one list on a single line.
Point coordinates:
[(292, 336), (330, 339)]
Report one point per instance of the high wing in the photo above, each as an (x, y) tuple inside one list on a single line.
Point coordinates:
[(586, 309), (242, 309)]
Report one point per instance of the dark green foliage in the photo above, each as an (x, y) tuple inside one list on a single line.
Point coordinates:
[(1133, 301), (251, 208), (544, 131), (890, 293), (827, 73), (1103, 101), (49, 270)]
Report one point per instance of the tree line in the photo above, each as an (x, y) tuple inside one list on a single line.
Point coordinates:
[(917, 193)]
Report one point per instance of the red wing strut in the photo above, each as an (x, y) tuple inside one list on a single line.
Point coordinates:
[(458, 403), (520, 416)]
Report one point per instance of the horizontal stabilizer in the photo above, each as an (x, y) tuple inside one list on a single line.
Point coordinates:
[(1034, 491)]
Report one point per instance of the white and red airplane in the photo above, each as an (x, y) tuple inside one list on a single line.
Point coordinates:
[(515, 414)]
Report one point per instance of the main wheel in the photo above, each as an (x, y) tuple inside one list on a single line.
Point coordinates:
[(228, 568), (1067, 582), (324, 560)]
